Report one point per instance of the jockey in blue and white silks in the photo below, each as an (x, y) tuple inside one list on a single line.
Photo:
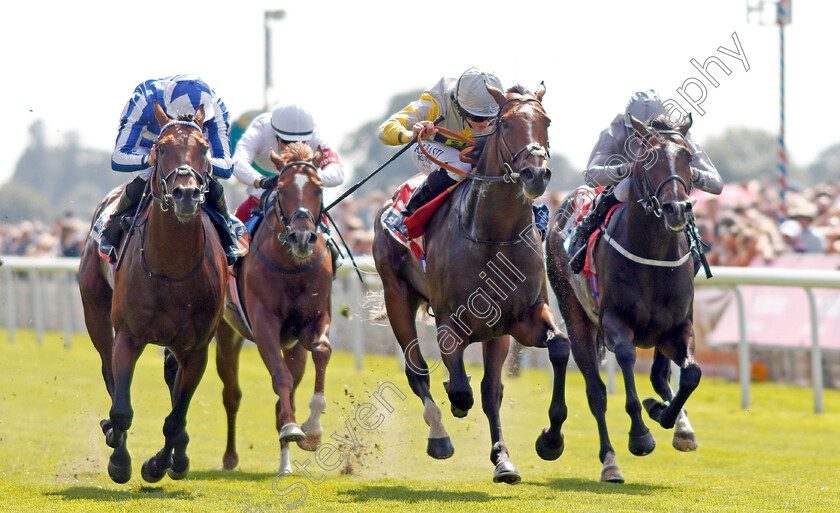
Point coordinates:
[(178, 95)]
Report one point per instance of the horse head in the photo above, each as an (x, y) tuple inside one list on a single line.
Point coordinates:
[(662, 171), (298, 199), (522, 137), (179, 179)]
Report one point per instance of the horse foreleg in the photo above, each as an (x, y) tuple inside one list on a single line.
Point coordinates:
[(458, 386), (619, 337), (680, 349), (321, 352), (228, 346), (540, 330), (124, 359), (401, 304), (495, 352), (173, 456), (660, 373), (267, 336)]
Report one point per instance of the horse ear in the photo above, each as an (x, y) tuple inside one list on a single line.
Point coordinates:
[(683, 129), (198, 119), (275, 158), (160, 115), (540, 91), (638, 126), (497, 94)]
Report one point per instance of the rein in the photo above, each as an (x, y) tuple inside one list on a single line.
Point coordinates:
[(280, 217), (509, 176)]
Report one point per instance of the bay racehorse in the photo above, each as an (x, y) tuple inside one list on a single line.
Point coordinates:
[(168, 291), (485, 276), (645, 283), (284, 284)]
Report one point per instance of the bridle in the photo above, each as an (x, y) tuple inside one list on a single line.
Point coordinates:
[(280, 216), (650, 195), (510, 176), (165, 201)]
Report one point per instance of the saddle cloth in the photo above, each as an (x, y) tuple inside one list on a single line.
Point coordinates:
[(392, 218)]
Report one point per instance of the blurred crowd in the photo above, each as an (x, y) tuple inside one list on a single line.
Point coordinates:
[(63, 238), (746, 224)]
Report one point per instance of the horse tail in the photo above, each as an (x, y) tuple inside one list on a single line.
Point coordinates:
[(375, 303), (601, 348)]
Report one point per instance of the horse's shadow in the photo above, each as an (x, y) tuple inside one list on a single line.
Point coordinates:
[(230, 475), (402, 493), (96, 493), (588, 485)]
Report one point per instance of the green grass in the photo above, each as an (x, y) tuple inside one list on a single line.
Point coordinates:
[(779, 456)]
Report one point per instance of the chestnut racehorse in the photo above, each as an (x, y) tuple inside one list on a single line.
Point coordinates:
[(485, 277), (169, 291), (284, 284), (646, 290)]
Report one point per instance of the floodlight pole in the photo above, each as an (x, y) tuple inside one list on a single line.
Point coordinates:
[(269, 15)]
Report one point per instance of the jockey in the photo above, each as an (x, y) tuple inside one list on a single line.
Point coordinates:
[(178, 95), (610, 163), (467, 108), (286, 124)]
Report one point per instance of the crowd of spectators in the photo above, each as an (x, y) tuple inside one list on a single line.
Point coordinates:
[(746, 224), (63, 238)]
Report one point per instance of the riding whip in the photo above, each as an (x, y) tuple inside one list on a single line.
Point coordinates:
[(351, 190), (133, 224)]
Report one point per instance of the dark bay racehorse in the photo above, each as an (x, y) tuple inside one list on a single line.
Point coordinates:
[(169, 291), (285, 284), (485, 277), (646, 289)]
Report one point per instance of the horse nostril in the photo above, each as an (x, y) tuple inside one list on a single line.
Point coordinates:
[(178, 193), (669, 208), (527, 174), (547, 174), (195, 193)]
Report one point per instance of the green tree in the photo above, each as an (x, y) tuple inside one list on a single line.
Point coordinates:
[(826, 167)]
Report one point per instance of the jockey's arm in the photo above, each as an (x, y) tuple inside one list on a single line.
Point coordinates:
[(399, 128), (250, 145), (217, 132), (704, 175), (131, 151), (607, 163), (332, 170)]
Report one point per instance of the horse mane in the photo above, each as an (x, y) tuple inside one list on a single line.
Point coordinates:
[(298, 151), (519, 89), (662, 122)]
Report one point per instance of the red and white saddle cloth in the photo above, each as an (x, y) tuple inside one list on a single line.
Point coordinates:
[(392, 218)]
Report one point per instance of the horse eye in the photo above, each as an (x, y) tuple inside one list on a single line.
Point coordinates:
[(160, 150)]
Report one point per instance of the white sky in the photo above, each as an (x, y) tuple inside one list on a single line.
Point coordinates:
[(74, 64)]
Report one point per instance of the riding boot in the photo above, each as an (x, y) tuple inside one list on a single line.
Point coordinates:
[(580, 240), (222, 220), (434, 185), (335, 256), (124, 212)]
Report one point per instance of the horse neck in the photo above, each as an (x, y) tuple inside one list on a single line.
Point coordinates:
[(495, 210), (170, 246), (645, 234)]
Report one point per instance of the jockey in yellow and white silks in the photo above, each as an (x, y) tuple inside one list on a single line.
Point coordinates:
[(467, 108)]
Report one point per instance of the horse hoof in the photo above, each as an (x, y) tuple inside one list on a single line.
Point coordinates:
[(230, 460), (546, 450), (458, 413), (440, 448), (655, 409), (291, 432), (178, 474), (642, 445), (506, 473), (150, 472), (119, 467), (685, 442), (311, 442), (611, 474)]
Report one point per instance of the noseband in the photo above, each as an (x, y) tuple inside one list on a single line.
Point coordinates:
[(165, 201), (300, 212), (650, 200)]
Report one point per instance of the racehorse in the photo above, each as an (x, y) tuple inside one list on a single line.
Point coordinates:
[(284, 285), (485, 277), (645, 287), (168, 291)]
